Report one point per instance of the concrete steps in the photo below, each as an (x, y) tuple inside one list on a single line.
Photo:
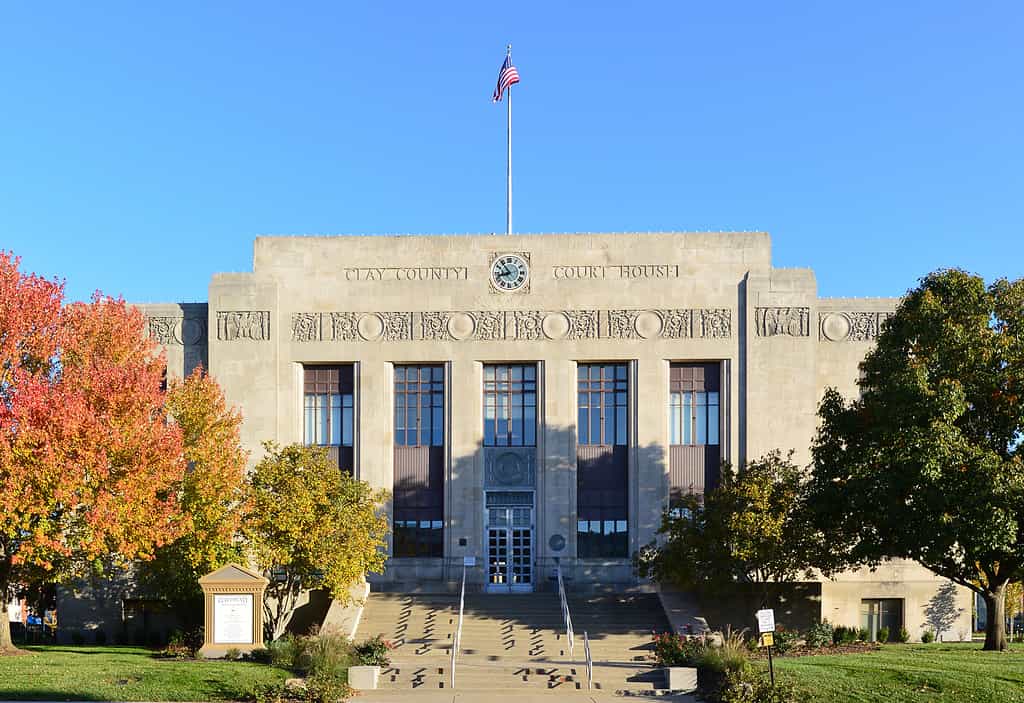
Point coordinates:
[(516, 641)]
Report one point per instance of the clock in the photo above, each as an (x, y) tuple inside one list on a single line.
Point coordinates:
[(509, 272)]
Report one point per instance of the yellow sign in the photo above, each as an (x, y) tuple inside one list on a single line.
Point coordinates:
[(767, 639)]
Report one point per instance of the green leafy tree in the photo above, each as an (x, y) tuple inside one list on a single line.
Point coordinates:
[(210, 493), (310, 525), (926, 464), (749, 530)]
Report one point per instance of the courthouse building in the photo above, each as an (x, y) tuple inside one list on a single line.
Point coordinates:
[(529, 398)]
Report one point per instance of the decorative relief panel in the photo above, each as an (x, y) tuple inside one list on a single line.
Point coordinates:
[(306, 326), (164, 330), (344, 326), (678, 324), (513, 325), (176, 331), (851, 326), (509, 467), (792, 322), (716, 323), (233, 325)]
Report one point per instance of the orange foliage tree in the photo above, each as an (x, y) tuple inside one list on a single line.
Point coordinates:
[(211, 494), (88, 462)]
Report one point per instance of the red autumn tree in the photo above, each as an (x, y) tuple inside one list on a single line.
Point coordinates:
[(88, 462)]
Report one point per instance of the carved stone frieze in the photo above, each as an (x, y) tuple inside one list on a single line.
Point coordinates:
[(788, 321), (528, 325), (397, 326), (513, 325), (434, 326), (677, 324), (165, 330), (344, 326), (306, 326), (582, 324), (622, 324), (490, 325), (235, 325), (716, 323), (851, 326)]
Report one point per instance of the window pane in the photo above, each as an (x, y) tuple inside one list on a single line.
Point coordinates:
[(595, 423), (702, 425), (489, 433), (687, 419), (620, 425), (322, 410), (309, 433), (346, 426), (712, 424), (335, 424), (674, 422), (488, 373), (609, 426), (399, 373), (583, 427)]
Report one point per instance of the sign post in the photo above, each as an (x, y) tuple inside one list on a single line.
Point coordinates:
[(766, 629)]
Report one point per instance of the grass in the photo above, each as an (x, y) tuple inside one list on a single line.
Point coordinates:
[(908, 673), (125, 674)]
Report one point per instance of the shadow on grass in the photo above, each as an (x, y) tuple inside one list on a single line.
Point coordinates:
[(37, 694)]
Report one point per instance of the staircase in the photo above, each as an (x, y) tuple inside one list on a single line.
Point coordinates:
[(516, 641)]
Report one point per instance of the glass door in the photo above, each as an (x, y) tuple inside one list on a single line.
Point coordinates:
[(509, 549)]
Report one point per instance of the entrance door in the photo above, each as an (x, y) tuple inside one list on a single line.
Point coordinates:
[(509, 549)]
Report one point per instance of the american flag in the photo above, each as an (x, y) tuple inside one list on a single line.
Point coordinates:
[(507, 77)]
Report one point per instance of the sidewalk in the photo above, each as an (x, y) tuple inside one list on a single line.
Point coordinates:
[(511, 697)]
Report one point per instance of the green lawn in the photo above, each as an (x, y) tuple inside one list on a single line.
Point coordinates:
[(912, 673), (124, 674)]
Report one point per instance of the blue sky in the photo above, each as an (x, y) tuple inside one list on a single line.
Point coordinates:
[(144, 145)]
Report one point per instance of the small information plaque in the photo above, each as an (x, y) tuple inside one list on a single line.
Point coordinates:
[(766, 620), (232, 619)]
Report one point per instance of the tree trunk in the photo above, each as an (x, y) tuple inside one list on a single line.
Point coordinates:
[(995, 619), (6, 645)]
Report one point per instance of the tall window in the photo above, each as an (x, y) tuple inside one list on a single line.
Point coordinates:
[(510, 405), (602, 461), (419, 406), (419, 461), (693, 406), (602, 404), (329, 412)]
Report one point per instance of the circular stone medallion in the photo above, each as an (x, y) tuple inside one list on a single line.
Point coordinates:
[(461, 326), (555, 325), (370, 326), (647, 324), (835, 326)]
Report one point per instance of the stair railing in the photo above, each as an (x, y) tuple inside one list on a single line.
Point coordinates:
[(590, 661), (565, 609), (457, 641)]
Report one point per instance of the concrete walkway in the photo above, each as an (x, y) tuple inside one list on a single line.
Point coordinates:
[(392, 696)]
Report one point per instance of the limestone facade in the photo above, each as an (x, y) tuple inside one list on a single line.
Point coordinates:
[(644, 302)]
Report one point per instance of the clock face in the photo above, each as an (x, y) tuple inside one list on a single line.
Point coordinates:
[(509, 272)]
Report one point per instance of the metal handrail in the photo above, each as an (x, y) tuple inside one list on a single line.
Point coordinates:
[(457, 641), (590, 661), (565, 610)]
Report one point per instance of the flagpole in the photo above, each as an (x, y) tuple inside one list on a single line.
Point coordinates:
[(508, 193)]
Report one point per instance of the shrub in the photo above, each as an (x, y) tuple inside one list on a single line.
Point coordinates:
[(903, 636), (373, 651), (863, 635), (284, 652), (731, 655), (317, 689), (820, 635), (332, 655), (785, 640), (671, 649), (927, 636), (752, 686), (101, 637), (233, 654), (260, 655), (844, 635), (883, 634), (77, 638)]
